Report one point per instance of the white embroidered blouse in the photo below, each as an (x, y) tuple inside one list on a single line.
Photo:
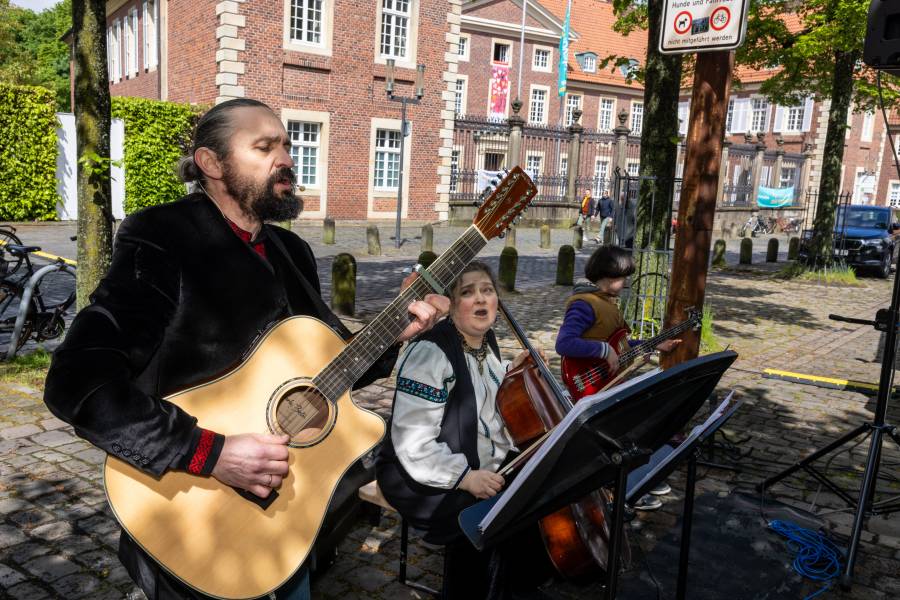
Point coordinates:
[(424, 382)]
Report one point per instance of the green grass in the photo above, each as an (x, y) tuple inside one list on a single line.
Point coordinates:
[(27, 369), (708, 341), (835, 275)]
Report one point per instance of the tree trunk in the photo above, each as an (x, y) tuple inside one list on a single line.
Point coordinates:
[(659, 154), (92, 121), (821, 245)]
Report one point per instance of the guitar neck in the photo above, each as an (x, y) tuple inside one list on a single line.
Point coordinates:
[(648, 345), (371, 342)]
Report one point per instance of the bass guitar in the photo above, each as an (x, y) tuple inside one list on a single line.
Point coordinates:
[(586, 376), (296, 380)]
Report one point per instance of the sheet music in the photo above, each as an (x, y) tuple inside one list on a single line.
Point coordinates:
[(582, 406)]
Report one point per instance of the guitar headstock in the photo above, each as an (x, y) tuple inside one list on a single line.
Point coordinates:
[(504, 203)]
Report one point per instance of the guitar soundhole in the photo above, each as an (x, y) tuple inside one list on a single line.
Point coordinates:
[(303, 413)]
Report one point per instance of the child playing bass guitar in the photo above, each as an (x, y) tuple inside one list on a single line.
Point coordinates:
[(593, 316)]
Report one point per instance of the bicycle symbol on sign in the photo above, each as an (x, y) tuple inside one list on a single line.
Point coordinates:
[(720, 18)]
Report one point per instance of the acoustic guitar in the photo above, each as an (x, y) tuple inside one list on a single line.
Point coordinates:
[(586, 376), (296, 380)]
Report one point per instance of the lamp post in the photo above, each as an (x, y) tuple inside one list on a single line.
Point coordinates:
[(404, 130)]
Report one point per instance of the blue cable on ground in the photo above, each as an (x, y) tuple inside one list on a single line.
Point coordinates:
[(818, 558)]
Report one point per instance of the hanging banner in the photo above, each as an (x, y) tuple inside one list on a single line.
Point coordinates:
[(775, 197), (564, 53), (499, 91)]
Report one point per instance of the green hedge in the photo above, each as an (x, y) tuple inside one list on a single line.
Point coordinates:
[(27, 153), (157, 134)]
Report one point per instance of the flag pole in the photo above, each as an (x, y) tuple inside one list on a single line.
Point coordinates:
[(521, 51), (562, 81)]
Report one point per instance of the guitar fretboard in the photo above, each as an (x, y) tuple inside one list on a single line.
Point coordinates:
[(370, 343), (647, 346)]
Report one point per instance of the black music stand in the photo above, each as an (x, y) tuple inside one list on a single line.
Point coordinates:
[(599, 442)]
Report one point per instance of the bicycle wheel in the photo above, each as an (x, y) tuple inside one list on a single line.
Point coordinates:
[(56, 288), (9, 264)]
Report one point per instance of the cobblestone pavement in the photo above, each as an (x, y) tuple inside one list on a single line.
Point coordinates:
[(58, 538)]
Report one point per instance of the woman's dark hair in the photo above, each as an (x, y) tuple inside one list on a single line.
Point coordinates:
[(213, 131), (476, 266), (609, 262)]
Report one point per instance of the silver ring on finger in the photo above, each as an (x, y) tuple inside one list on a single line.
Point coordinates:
[(270, 481)]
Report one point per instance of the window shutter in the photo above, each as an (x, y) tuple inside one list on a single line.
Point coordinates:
[(684, 113), (778, 125), (808, 113), (745, 111)]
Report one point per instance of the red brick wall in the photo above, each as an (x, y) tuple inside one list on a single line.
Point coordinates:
[(192, 51), (146, 83), (350, 86)]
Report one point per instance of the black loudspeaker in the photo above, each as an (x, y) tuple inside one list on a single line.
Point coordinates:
[(882, 47)]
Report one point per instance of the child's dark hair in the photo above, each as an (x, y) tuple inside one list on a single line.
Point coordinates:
[(609, 262)]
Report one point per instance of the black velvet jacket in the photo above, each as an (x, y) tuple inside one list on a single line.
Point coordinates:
[(183, 300)]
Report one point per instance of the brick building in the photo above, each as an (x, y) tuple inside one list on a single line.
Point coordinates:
[(321, 65), (490, 37)]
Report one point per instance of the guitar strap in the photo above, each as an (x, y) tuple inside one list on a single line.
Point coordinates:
[(321, 308)]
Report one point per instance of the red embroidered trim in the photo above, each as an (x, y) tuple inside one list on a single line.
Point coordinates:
[(204, 446)]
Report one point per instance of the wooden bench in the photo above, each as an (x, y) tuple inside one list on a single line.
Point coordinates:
[(371, 493)]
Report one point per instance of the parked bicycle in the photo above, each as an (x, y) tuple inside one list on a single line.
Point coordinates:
[(756, 224), (51, 296)]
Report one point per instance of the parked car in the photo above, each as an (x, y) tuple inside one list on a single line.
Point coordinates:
[(865, 237)]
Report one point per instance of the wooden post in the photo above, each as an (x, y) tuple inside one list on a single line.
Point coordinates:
[(709, 105)]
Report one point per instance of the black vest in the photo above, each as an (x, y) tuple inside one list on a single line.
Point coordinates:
[(435, 510)]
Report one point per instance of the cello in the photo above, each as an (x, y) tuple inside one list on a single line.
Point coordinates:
[(531, 402)]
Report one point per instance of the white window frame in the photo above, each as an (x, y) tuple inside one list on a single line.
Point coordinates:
[(548, 68), (301, 144), (571, 106), (589, 67), (893, 186), (145, 38), (377, 123), (387, 150), (868, 127), (460, 99), (409, 57), (110, 53), (320, 190), (729, 115), (326, 32), (459, 152), (633, 168), (117, 34), (509, 54), (465, 46), (598, 187), (784, 179), (535, 154), (631, 117), (131, 46), (754, 112), (601, 112), (782, 114), (545, 110), (794, 113), (684, 116)]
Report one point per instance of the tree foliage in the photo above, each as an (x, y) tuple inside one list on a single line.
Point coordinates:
[(31, 52), (27, 154)]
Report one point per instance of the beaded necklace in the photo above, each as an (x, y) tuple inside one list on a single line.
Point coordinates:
[(480, 353)]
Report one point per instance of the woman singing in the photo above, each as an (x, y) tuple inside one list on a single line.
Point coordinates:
[(446, 442)]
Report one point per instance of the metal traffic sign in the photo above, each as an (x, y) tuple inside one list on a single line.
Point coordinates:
[(703, 25)]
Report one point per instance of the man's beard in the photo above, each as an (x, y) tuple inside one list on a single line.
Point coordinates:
[(261, 200)]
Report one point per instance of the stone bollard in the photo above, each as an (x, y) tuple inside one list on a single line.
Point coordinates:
[(565, 265), (577, 238), (718, 259), (426, 258), (733, 230), (373, 240), (772, 250), (427, 238), (545, 236), (511, 238), (794, 248), (509, 260), (746, 251), (328, 231), (343, 284)]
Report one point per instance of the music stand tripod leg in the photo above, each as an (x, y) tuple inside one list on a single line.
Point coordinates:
[(687, 522), (616, 532)]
